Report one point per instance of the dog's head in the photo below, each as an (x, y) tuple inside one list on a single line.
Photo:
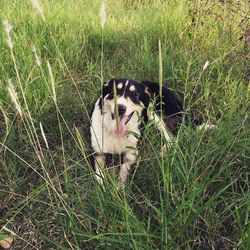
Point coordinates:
[(131, 98)]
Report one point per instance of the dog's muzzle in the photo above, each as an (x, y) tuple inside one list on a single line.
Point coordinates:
[(128, 119)]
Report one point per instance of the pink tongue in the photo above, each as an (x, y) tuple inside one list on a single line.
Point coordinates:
[(121, 127)]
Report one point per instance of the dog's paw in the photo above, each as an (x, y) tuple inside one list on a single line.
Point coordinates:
[(100, 181), (121, 185), (99, 177), (206, 126), (164, 150)]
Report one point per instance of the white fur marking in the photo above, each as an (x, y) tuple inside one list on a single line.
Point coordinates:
[(146, 91), (132, 88), (119, 86)]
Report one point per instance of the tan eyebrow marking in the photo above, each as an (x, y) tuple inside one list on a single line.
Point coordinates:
[(132, 88), (119, 86)]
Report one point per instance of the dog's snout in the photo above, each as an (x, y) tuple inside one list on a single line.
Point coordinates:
[(121, 109)]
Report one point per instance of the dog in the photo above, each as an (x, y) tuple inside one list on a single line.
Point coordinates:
[(119, 116)]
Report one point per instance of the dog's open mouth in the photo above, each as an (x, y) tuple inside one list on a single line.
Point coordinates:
[(121, 128)]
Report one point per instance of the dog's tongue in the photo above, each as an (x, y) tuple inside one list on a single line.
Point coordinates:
[(121, 128)]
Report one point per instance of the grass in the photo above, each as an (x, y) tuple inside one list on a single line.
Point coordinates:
[(196, 197)]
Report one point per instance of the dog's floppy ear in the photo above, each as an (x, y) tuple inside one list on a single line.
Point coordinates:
[(107, 87)]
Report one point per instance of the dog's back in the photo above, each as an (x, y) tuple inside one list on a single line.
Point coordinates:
[(167, 102)]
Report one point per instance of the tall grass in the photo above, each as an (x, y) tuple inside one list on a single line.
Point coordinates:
[(195, 196)]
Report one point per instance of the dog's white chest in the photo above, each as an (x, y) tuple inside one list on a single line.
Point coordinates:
[(115, 145), (104, 141)]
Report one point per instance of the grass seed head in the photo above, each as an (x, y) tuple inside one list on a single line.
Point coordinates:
[(52, 81), (8, 27), (14, 97), (36, 5), (102, 15), (38, 61), (205, 65)]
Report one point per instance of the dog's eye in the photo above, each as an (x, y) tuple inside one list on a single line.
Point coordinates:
[(135, 94), (110, 95)]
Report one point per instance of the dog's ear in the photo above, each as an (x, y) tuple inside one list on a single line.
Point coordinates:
[(107, 87)]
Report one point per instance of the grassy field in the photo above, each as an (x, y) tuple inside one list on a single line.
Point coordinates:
[(51, 69)]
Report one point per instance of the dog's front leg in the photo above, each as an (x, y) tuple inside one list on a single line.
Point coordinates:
[(99, 165), (129, 159)]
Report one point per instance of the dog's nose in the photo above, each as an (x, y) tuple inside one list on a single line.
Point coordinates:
[(121, 109)]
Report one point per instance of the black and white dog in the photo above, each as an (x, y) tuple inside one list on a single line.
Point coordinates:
[(115, 122)]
